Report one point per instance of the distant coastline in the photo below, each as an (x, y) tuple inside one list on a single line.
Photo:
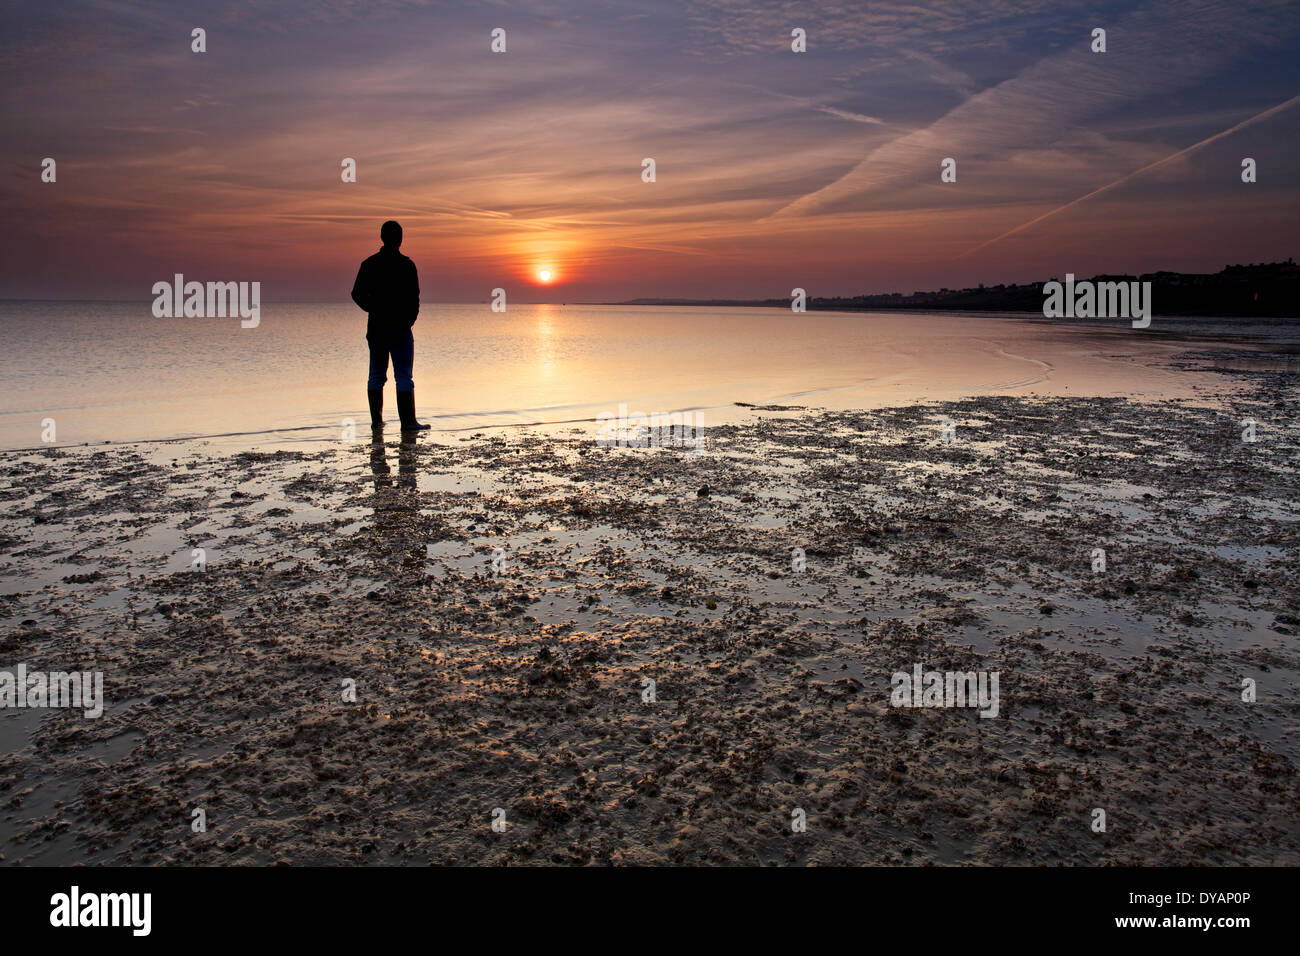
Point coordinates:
[(1270, 289)]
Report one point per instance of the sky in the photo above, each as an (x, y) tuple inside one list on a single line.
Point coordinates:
[(773, 169)]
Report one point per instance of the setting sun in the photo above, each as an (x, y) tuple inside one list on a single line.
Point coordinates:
[(544, 274)]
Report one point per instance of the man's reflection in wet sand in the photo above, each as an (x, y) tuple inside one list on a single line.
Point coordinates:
[(405, 465), (396, 510)]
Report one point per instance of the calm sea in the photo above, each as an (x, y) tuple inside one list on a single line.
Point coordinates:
[(109, 371)]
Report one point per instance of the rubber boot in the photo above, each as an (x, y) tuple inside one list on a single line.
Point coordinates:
[(406, 409), (376, 396)]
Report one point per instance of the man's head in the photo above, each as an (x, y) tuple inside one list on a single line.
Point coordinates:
[(391, 233)]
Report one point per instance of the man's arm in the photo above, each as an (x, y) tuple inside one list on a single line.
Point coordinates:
[(361, 289), (415, 294)]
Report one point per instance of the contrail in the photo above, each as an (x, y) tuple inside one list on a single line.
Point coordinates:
[(1159, 162)]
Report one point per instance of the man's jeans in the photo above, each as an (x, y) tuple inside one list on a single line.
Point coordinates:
[(401, 346)]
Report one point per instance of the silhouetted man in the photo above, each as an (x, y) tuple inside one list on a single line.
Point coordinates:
[(388, 288)]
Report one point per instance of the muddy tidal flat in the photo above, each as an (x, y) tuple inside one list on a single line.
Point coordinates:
[(387, 646)]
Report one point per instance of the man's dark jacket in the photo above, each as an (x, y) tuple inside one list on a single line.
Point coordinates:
[(389, 290)]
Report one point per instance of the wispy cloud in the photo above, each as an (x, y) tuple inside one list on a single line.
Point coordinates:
[(851, 116), (1151, 52), (1250, 121)]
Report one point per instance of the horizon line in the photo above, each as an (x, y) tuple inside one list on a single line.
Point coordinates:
[(675, 299)]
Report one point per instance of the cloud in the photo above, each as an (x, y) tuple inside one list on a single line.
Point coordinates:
[(1155, 50), (1250, 121), (733, 27), (852, 117)]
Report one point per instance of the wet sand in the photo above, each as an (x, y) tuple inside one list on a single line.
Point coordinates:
[(1120, 689)]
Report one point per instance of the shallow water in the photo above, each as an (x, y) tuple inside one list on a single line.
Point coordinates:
[(111, 372)]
